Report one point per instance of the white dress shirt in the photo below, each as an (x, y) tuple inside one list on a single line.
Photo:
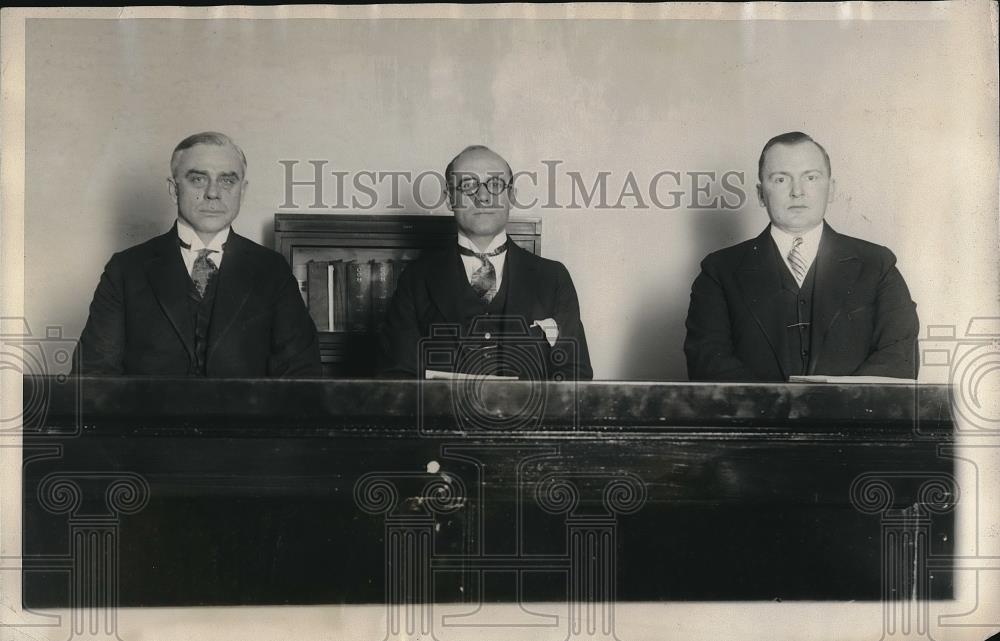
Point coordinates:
[(473, 263), (188, 235), (807, 250)]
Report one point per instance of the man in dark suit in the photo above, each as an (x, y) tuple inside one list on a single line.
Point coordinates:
[(200, 300), (484, 306), (800, 299)]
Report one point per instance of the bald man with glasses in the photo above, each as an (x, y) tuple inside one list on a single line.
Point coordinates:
[(484, 306)]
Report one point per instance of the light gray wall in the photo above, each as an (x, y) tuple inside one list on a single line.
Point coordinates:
[(899, 108)]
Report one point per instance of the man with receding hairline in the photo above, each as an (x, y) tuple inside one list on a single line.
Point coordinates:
[(800, 299), (485, 306), (200, 300)]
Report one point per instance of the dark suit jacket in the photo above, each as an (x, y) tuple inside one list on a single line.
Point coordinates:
[(537, 288), (863, 320), (140, 322)]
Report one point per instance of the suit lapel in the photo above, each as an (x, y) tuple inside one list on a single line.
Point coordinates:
[(236, 279), (520, 283), (760, 279), (837, 269), (170, 283), (444, 273)]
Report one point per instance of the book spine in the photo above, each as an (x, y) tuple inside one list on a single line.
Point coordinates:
[(382, 287), (359, 302), (397, 270), (301, 272), (340, 297), (394, 270), (316, 279), (330, 276)]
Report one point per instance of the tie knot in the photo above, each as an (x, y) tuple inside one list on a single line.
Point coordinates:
[(798, 241), (203, 253), (484, 279)]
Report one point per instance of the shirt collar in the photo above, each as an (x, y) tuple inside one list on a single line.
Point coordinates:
[(784, 240), (187, 234), (498, 240)]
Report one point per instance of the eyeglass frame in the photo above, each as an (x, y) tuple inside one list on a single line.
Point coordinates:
[(474, 193)]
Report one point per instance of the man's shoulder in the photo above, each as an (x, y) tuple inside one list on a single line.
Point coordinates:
[(264, 265), (252, 249), (734, 254), (146, 249), (864, 248), (540, 263), (429, 263)]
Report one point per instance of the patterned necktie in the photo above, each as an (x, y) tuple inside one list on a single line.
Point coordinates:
[(484, 279), (203, 271), (795, 261)]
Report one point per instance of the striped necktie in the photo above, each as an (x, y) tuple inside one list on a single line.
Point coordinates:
[(484, 279), (795, 261)]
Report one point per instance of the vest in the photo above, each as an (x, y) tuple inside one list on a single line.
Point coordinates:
[(200, 309), (488, 341), (481, 326), (796, 306)]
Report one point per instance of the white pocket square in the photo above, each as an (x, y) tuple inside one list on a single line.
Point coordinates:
[(550, 328)]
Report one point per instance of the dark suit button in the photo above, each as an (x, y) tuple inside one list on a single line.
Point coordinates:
[(805, 353), (801, 302)]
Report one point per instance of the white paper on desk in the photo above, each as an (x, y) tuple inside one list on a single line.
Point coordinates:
[(431, 374), (849, 379)]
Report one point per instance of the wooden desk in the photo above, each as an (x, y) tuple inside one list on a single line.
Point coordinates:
[(261, 492)]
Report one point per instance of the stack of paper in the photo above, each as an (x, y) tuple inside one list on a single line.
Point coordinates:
[(849, 379)]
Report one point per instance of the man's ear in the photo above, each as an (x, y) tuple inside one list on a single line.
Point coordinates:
[(172, 188), (760, 196), (833, 188), (243, 191)]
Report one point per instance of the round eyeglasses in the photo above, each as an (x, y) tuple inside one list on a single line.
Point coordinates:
[(470, 186)]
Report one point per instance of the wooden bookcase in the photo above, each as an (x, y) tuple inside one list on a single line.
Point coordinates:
[(301, 238)]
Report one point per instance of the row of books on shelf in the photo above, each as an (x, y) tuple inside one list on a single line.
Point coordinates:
[(350, 295)]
